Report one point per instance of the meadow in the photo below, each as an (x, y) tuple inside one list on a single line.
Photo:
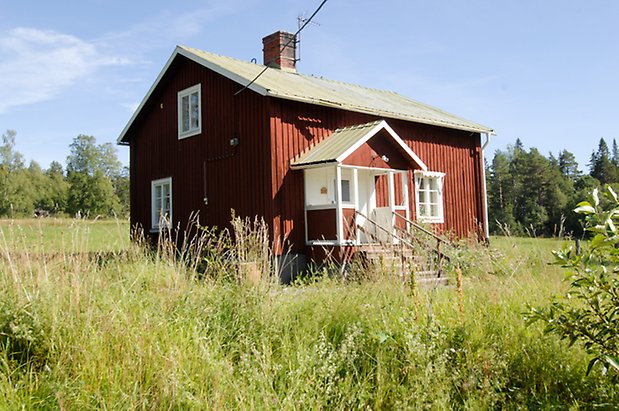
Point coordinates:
[(140, 330)]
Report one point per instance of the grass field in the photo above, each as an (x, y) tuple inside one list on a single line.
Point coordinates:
[(141, 331), (64, 235)]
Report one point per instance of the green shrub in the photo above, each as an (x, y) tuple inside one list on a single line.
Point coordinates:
[(23, 337), (589, 312)]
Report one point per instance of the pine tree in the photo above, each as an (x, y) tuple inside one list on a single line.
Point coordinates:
[(500, 194), (568, 166), (602, 167)]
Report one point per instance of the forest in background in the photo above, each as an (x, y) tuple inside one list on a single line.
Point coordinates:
[(92, 183), (531, 194)]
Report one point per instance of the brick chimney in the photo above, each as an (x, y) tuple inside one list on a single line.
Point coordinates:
[(274, 53)]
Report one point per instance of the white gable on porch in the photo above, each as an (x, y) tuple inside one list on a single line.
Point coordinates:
[(345, 141)]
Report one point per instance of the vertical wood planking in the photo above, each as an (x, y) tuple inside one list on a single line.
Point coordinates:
[(236, 177), (454, 152), (254, 178)]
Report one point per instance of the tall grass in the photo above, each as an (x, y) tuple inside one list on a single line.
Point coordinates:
[(139, 330)]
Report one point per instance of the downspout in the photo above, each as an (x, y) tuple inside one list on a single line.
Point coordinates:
[(483, 179)]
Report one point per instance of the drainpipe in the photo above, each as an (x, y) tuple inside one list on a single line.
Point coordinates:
[(483, 179)]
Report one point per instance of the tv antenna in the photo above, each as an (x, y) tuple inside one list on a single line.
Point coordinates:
[(302, 24), (302, 20)]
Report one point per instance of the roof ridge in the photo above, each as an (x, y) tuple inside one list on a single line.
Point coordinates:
[(296, 73), (192, 49), (357, 126), (311, 89)]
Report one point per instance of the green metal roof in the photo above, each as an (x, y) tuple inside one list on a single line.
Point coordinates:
[(344, 141), (316, 90)]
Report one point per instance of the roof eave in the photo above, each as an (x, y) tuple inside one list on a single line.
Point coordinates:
[(313, 164)]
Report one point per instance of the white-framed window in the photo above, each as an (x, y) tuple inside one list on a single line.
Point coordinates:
[(429, 196), (189, 112), (161, 203), (345, 190)]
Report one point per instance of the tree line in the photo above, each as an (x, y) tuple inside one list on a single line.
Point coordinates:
[(94, 182), (533, 194), (528, 193)]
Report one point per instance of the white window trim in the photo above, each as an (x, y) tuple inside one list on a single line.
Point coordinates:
[(350, 191), (155, 214), (188, 92), (440, 218)]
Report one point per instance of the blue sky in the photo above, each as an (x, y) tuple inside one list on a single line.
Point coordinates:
[(542, 71)]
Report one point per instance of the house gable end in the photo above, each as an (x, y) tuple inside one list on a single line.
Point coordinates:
[(123, 138)]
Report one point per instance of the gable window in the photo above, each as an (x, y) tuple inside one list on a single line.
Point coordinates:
[(429, 196), (189, 112), (161, 199)]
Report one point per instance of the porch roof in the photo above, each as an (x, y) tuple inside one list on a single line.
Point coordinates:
[(344, 141)]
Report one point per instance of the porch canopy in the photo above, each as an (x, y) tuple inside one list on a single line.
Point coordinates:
[(358, 177)]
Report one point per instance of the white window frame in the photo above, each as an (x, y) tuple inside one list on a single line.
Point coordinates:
[(346, 199), (155, 210), (434, 185), (188, 93)]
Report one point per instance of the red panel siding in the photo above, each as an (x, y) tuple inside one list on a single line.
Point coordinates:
[(322, 224), (204, 165), (295, 127), (349, 223), (254, 178), (370, 154), (400, 222), (381, 185)]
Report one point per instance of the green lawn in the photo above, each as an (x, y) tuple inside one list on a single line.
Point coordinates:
[(64, 235), (141, 331)]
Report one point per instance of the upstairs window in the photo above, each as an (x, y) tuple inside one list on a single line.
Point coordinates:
[(429, 196), (161, 198), (189, 112)]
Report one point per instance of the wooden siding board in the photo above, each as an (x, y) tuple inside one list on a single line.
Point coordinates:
[(255, 177), (321, 224), (442, 149), (234, 176), (350, 227)]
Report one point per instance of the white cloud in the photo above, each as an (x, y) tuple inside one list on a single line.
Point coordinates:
[(170, 27), (37, 65)]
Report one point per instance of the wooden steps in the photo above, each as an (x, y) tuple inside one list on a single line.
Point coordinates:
[(397, 260)]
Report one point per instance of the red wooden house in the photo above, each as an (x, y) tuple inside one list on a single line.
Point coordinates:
[(325, 163)]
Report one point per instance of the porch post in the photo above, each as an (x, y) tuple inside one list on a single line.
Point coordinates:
[(392, 202), (405, 197), (355, 188), (305, 205), (338, 205)]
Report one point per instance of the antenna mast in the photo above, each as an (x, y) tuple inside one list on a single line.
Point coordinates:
[(301, 21)]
